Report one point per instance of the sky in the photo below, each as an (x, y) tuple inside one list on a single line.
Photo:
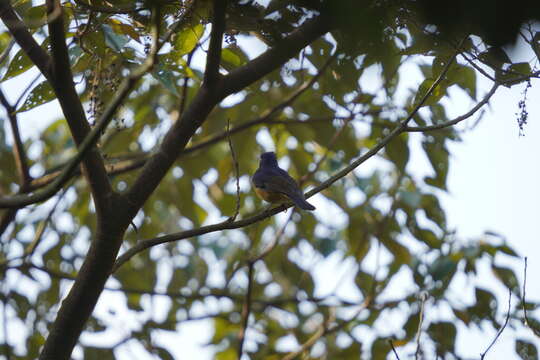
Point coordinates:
[(494, 185)]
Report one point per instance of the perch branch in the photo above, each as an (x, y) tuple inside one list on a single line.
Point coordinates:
[(227, 225)]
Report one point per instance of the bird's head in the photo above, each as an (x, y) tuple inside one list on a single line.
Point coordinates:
[(268, 159)]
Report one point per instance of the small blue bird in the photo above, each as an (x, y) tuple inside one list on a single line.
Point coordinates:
[(274, 185)]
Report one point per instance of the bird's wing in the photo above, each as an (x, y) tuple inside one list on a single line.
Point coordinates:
[(282, 184)]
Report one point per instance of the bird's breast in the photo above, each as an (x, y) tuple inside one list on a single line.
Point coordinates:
[(272, 197)]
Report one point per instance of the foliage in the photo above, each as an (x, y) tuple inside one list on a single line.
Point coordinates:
[(319, 108)]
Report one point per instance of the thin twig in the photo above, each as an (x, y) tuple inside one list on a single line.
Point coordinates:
[(237, 174), (482, 355), (5, 320), (145, 244), (267, 250), (89, 141), (423, 298), (246, 310), (266, 119), (275, 302), (331, 143), (183, 99), (38, 235), (458, 119), (393, 348), (321, 331), (110, 10), (478, 68), (21, 160), (326, 329), (276, 240), (525, 316)]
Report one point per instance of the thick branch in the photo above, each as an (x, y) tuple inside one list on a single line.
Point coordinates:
[(83, 296), (213, 58), (85, 146), (207, 97), (226, 225), (24, 39), (266, 118), (64, 88), (137, 162), (275, 57)]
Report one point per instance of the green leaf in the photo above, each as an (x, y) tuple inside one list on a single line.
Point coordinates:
[(19, 64), (232, 57), (507, 277), (41, 94), (433, 210), (507, 250), (326, 246), (36, 16), (495, 57), (526, 350), (167, 79), (227, 354), (400, 252), (397, 151), (464, 77), (380, 349), (162, 353), (94, 353), (437, 154), (442, 267), (113, 40), (437, 93), (364, 282), (187, 39), (359, 238), (485, 305), (411, 198), (444, 337), (514, 74)]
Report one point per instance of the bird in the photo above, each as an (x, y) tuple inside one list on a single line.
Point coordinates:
[(275, 185)]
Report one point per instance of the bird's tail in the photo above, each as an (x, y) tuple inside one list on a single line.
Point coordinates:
[(301, 202)]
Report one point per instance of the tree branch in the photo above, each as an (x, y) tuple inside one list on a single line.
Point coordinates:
[(227, 225), (507, 318), (110, 10), (204, 101), (275, 57), (457, 120), (64, 88), (246, 310), (24, 39), (87, 143), (21, 161), (77, 307), (120, 167), (213, 58), (526, 320)]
